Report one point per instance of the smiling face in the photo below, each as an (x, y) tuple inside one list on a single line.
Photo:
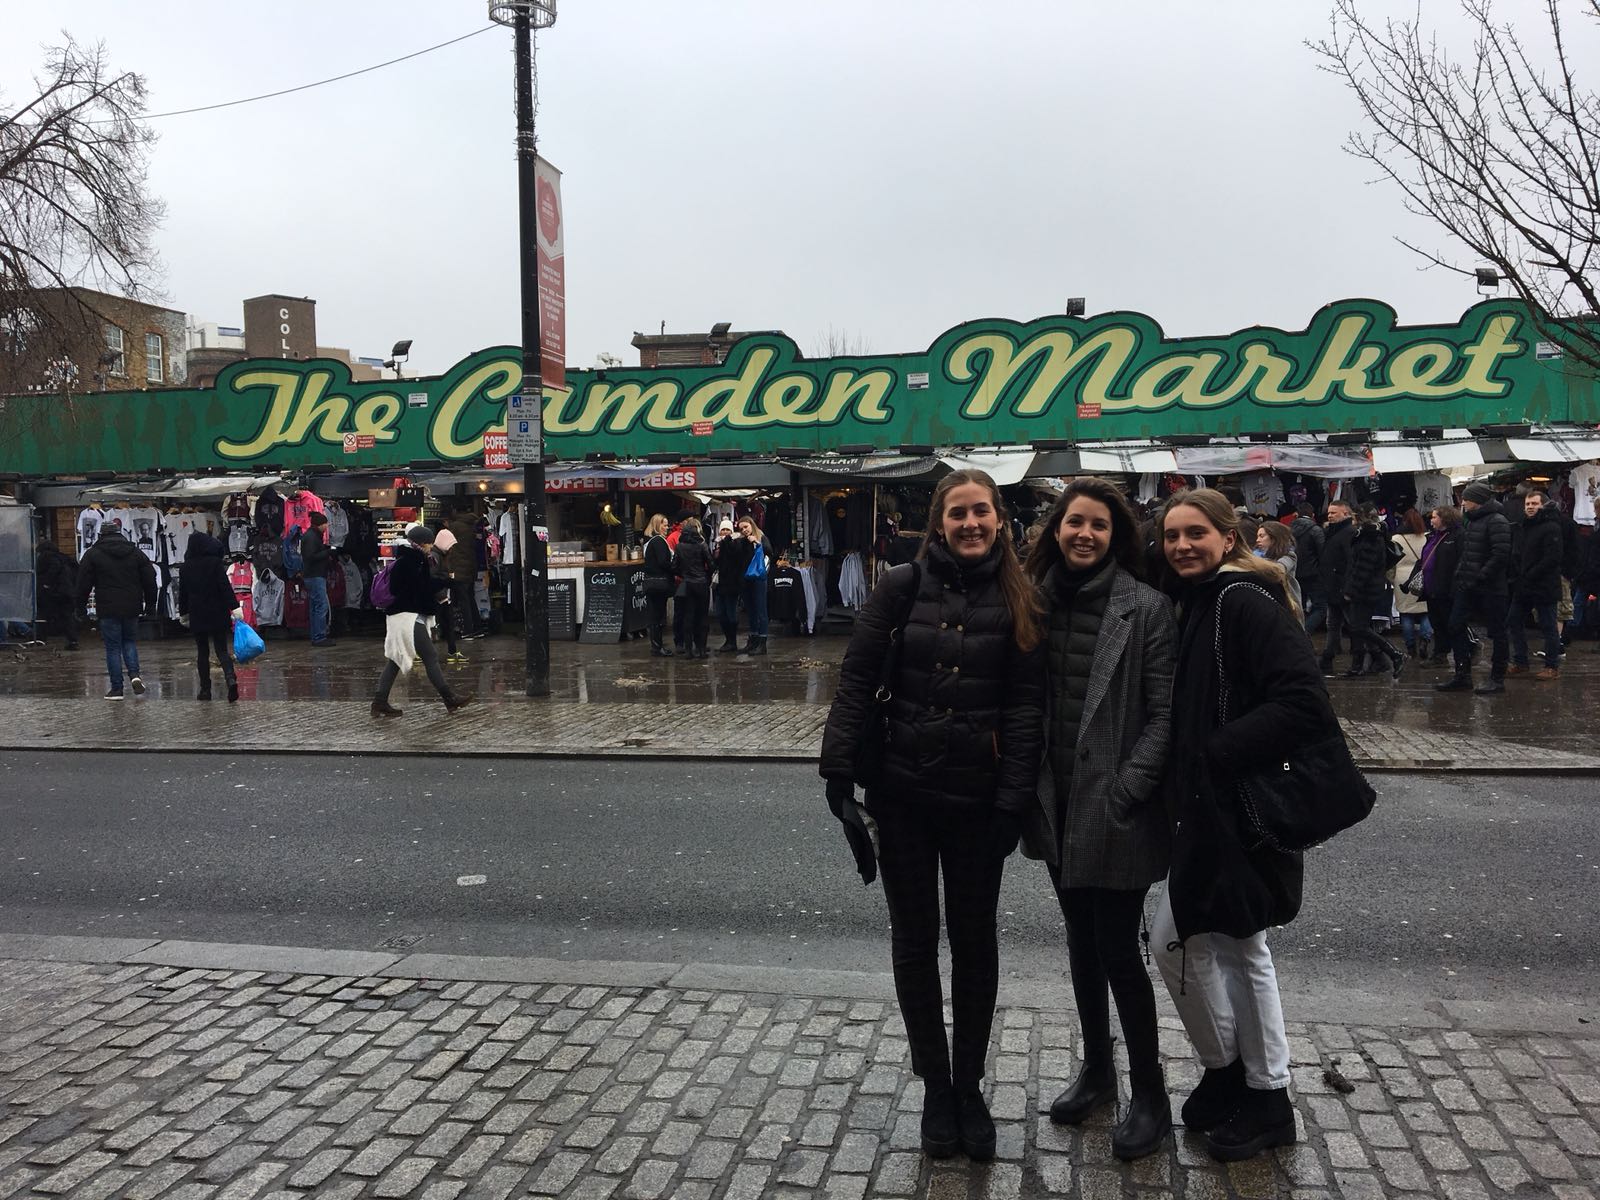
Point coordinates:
[(1084, 533), (970, 522), (1193, 545)]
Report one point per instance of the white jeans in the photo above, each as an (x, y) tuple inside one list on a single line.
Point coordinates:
[(1226, 992)]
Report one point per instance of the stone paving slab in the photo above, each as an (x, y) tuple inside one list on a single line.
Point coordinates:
[(521, 727), (144, 1081)]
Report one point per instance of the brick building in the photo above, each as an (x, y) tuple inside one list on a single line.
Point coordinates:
[(82, 340), (689, 349)]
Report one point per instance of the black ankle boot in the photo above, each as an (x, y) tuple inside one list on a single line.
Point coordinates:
[(760, 645), (941, 1135), (750, 645), (730, 643), (1221, 1091), (1264, 1119), (1093, 1087), (977, 1126), (1458, 682), (1143, 1127)]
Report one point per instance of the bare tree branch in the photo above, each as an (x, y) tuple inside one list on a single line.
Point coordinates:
[(1497, 147)]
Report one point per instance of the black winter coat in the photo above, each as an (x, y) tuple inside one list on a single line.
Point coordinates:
[(1366, 577), (57, 577), (1441, 578), (1337, 539), (1586, 577), (1276, 699), (205, 594), (122, 579), (1308, 543), (732, 555), (658, 565), (412, 582), (1536, 555), (1485, 551), (314, 550), (966, 717), (691, 561)]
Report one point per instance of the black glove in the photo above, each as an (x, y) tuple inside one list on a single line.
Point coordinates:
[(842, 801), (1006, 832)]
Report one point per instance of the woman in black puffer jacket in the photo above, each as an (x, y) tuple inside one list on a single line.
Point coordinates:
[(1364, 594), (959, 763)]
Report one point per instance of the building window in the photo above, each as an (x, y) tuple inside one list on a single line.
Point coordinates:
[(116, 363), (152, 358)]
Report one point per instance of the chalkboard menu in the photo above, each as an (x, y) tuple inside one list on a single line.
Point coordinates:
[(637, 615), (563, 609), (604, 605)]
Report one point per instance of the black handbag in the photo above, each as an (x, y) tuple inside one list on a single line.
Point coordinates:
[(867, 766), (1300, 800)]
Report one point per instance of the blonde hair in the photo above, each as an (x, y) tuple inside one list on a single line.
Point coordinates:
[(754, 528), (691, 523), (656, 526), (1220, 514)]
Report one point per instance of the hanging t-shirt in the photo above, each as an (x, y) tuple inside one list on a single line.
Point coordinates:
[(506, 527), (238, 537), (266, 593), (120, 519), (1263, 492), (242, 576), (338, 526), (176, 529), (1433, 490), (354, 585), (297, 510), (89, 521), (146, 534), (1585, 481)]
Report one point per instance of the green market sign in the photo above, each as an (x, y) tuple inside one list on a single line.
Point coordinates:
[(991, 382)]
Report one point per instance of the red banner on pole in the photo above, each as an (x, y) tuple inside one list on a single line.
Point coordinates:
[(551, 244)]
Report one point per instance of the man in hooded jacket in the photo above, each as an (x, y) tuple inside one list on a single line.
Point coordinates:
[(1480, 586), (123, 581)]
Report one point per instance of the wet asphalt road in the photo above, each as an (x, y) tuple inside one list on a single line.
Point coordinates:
[(1459, 887)]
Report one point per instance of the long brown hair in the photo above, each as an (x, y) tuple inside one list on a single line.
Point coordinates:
[(1219, 513), (1021, 598), (1125, 540)]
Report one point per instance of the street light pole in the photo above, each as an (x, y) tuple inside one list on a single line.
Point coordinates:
[(523, 16)]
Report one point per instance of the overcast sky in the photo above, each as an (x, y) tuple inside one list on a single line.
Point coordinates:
[(887, 168)]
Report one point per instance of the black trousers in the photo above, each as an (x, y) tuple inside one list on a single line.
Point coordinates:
[(222, 642), (1333, 646), (1103, 947), (464, 615), (430, 664), (1439, 617), (695, 604), (658, 615), (918, 842), (1364, 639)]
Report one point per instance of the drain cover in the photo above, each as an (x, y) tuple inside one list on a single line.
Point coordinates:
[(401, 941)]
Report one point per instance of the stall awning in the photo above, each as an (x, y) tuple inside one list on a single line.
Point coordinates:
[(1323, 462), (1005, 467), (199, 488), (1127, 460), (1391, 457), (1555, 448)]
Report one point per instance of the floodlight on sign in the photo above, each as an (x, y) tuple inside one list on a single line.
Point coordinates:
[(541, 14)]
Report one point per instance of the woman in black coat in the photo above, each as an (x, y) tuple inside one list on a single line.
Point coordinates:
[(659, 581), (1441, 554), (205, 596), (1099, 819), (1209, 932), (957, 752), (732, 554), (409, 620), (1365, 589), (691, 562)]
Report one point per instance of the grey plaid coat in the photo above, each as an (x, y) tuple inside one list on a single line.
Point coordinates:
[(1114, 831)]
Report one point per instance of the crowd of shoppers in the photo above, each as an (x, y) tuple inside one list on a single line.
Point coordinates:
[(732, 572)]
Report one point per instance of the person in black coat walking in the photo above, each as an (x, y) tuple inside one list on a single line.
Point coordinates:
[(957, 747), (691, 562), (1537, 552), (123, 581), (1209, 932), (1365, 584), (206, 599), (1098, 819), (409, 622), (1339, 534), (1441, 553), (1309, 539), (1480, 586), (732, 554), (56, 575)]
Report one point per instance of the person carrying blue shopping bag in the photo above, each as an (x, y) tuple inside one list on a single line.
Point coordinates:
[(755, 584), (207, 603)]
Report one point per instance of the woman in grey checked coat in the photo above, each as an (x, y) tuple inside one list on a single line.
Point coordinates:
[(1099, 821)]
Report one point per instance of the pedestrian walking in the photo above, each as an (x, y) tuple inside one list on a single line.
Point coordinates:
[(1339, 533), (1479, 586), (1441, 552), (1308, 543), (691, 562), (1275, 543), (1365, 584), (948, 743), (443, 542), (410, 620), (1416, 626), (659, 581), (732, 555), (1098, 820), (1242, 652), (56, 575), (207, 601), (123, 583), (1537, 550), (316, 556), (755, 584)]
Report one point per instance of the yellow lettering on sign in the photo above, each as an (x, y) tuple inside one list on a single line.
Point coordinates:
[(1188, 374), (726, 401), (275, 422), (784, 401), (1337, 369), (1059, 355), (1485, 354), (495, 381), (377, 415), (865, 393), (615, 405)]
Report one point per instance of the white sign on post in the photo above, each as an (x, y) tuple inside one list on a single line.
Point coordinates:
[(524, 434)]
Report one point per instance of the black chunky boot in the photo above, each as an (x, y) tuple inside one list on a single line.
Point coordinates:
[(1263, 1120), (977, 1126), (760, 645), (941, 1135), (1144, 1126), (1094, 1086), (1221, 1091)]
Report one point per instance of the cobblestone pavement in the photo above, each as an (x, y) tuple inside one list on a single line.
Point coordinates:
[(155, 1079), (633, 704)]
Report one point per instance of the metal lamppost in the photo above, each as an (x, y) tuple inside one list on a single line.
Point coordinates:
[(524, 16)]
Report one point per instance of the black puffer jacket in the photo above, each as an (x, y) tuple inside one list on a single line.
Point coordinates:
[(57, 575), (1439, 580), (732, 555), (1308, 543), (691, 562), (1485, 551), (1369, 564), (205, 594), (1536, 553), (1338, 537), (966, 721), (412, 582), (122, 579)]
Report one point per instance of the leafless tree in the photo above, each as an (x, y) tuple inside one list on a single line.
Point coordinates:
[(841, 343), (1497, 145), (75, 211)]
